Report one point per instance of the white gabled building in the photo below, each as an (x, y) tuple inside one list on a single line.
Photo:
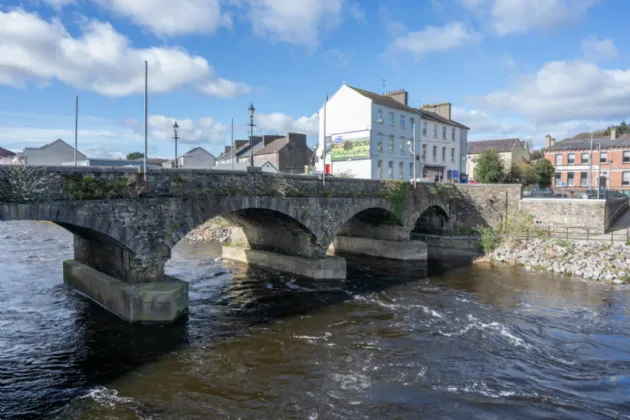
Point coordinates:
[(369, 136)]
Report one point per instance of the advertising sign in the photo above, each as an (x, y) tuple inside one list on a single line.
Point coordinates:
[(350, 146)]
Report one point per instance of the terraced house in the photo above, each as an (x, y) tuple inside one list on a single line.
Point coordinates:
[(572, 159), (510, 151)]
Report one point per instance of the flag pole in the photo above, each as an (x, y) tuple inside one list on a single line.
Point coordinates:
[(324, 149), (233, 148), (76, 129), (146, 90)]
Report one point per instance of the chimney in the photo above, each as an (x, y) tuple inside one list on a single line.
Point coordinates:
[(297, 139), (549, 141), (228, 149), (399, 95), (613, 133), (240, 143), (443, 109)]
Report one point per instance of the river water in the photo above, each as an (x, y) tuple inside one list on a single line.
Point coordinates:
[(393, 341)]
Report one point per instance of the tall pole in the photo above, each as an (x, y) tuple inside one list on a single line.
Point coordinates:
[(251, 141), (233, 149), (175, 162), (324, 149), (599, 167), (146, 123), (590, 160), (76, 129), (413, 132)]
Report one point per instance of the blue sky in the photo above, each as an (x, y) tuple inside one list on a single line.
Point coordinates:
[(520, 68)]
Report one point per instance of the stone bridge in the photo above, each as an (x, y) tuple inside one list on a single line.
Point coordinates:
[(124, 228)]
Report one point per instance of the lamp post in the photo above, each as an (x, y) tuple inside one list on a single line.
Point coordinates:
[(251, 110), (175, 128)]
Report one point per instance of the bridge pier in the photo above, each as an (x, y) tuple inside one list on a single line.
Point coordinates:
[(381, 248), (133, 288), (318, 268)]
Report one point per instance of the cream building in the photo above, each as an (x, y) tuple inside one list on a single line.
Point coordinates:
[(510, 151)]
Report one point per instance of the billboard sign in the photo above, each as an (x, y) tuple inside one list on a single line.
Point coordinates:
[(350, 146)]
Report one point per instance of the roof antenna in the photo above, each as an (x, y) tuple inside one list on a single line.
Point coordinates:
[(383, 84)]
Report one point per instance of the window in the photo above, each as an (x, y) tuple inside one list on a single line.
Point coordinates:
[(435, 131), (379, 169), (424, 128), (424, 151), (583, 179), (401, 170), (626, 156), (625, 178), (379, 144), (571, 158), (391, 118), (402, 145), (379, 115), (444, 133), (411, 175), (453, 134), (434, 153), (558, 159), (584, 158), (391, 144), (412, 123), (390, 170), (557, 179), (443, 154), (402, 121), (453, 155), (603, 158), (570, 180)]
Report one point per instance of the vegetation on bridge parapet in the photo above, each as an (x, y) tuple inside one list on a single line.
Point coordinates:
[(397, 194), (444, 191), (86, 187)]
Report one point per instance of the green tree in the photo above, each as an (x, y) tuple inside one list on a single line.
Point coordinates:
[(537, 154), (528, 176), (543, 171), (489, 168), (135, 155), (514, 175)]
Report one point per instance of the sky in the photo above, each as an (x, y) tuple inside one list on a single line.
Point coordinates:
[(511, 68)]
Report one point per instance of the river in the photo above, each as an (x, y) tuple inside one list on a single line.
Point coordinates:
[(393, 341)]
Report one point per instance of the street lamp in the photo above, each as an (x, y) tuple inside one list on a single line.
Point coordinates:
[(251, 110), (175, 128)]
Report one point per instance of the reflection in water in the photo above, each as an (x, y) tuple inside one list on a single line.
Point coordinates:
[(393, 341)]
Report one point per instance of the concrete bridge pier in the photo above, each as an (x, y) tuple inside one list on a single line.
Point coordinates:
[(134, 288), (381, 248)]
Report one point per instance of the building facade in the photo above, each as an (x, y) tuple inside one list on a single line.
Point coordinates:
[(579, 167), (510, 151), (369, 135), (197, 158), (53, 154)]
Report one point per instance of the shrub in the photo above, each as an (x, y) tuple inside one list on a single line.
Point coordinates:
[(489, 240)]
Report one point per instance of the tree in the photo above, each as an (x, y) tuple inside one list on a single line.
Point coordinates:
[(528, 176), (543, 171), (135, 155), (489, 168), (537, 154), (514, 175)]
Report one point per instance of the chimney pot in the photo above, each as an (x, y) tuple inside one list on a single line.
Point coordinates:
[(613, 133)]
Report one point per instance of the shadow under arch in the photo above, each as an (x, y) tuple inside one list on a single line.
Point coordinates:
[(433, 219), (374, 223)]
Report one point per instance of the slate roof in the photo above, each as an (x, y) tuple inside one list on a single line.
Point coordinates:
[(392, 103), (585, 144), (6, 153), (500, 145), (197, 148), (273, 147)]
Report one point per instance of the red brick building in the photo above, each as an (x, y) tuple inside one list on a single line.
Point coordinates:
[(571, 159)]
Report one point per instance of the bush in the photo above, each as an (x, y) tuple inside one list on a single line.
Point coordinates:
[(489, 169), (488, 238)]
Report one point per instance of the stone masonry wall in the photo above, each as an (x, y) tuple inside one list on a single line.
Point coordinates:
[(562, 213)]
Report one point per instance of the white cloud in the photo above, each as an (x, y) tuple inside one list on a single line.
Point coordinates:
[(433, 39), (483, 124), (595, 48), (160, 127), (508, 62), (563, 90), (102, 152), (341, 57), (392, 26), (168, 18), (99, 60), (356, 13), (280, 123), (521, 16), (294, 22)]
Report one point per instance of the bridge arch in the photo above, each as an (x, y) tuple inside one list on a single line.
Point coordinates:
[(433, 219)]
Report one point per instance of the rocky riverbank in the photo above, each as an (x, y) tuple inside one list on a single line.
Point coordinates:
[(598, 261), (214, 230)]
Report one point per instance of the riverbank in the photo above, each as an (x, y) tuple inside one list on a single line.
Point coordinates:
[(602, 262), (217, 229)]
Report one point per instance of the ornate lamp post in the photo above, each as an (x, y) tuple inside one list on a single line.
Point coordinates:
[(251, 110), (175, 128)]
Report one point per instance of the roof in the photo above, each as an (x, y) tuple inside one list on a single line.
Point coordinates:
[(500, 145), (240, 149), (195, 149), (6, 153), (46, 146), (273, 147), (242, 166), (392, 103), (152, 161), (585, 144)]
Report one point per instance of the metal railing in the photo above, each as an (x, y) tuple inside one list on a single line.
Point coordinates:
[(568, 233), (560, 193)]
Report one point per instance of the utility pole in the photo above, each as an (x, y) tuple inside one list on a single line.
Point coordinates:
[(599, 167), (175, 128), (251, 110), (590, 161), (413, 132), (146, 90), (233, 148), (324, 149), (76, 129)]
